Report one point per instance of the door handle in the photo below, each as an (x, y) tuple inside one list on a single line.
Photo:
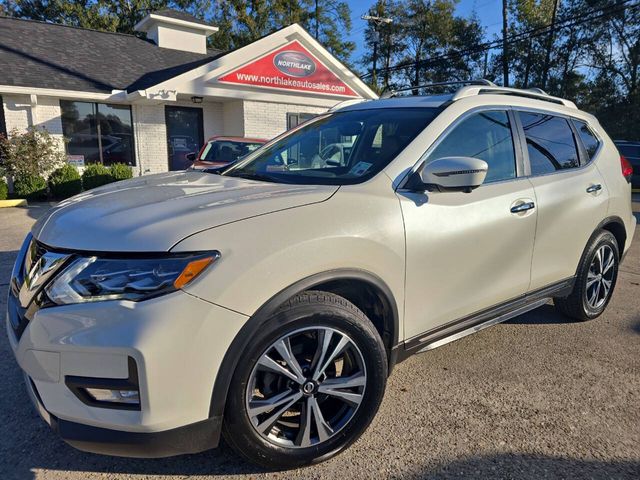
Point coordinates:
[(594, 188), (523, 207)]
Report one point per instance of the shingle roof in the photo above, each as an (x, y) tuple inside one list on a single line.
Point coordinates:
[(45, 55), (178, 15)]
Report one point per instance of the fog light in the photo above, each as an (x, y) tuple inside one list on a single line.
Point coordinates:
[(115, 396)]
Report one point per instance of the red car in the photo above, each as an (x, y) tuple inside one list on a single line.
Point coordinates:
[(220, 152)]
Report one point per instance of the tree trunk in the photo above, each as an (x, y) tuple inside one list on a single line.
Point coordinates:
[(527, 67), (547, 55), (318, 19)]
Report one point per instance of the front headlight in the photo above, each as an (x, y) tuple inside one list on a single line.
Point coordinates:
[(92, 279)]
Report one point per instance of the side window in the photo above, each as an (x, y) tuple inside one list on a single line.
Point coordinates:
[(589, 140), (550, 143), (484, 135)]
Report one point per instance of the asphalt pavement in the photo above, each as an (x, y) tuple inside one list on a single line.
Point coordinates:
[(538, 397)]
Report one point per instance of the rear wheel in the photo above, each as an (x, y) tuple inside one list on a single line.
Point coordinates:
[(596, 279), (311, 383)]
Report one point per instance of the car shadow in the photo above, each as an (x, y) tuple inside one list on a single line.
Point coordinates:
[(544, 315), (36, 209)]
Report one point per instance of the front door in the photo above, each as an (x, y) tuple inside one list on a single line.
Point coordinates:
[(184, 135), (467, 252)]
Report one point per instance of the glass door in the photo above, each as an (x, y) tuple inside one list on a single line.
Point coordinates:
[(184, 134)]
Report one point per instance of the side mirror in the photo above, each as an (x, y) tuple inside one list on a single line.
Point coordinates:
[(191, 156), (454, 174)]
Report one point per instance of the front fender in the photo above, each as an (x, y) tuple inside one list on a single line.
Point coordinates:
[(264, 255)]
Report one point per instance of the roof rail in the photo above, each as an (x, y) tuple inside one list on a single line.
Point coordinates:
[(393, 93), (536, 93)]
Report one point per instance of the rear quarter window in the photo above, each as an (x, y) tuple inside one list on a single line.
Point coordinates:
[(589, 140)]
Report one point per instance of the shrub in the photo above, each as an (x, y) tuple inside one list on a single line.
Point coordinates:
[(31, 187), (120, 171), (65, 182), (30, 154), (95, 175), (4, 190)]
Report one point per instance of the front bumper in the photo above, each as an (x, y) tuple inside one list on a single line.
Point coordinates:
[(177, 341), (192, 438)]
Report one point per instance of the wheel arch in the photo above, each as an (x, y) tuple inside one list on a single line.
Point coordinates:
[(615, 225), (358, 285)]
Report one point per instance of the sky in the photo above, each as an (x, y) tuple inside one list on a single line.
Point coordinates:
[(489, 12)]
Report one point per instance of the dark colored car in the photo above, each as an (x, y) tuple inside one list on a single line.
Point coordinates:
[(220, 152), (631, 151)]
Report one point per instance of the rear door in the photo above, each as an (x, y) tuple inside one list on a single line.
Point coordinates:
[(571, 195)]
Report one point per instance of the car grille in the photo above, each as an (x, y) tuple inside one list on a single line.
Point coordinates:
[(20, 314)]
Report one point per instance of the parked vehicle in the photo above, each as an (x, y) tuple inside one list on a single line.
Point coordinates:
[(221, 152), (270, 304), (631, 151)]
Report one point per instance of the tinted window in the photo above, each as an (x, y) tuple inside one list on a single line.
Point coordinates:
[(338, 148), (485, 135), (550, 143), (589, 140), (97, 132)]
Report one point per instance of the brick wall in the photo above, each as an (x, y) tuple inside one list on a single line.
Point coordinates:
[(212, 117), (266, 120), (151, 139), (17, 112), (20, 114), (234, 118)]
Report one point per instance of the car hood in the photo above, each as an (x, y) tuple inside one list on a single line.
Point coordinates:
[(154, 212)]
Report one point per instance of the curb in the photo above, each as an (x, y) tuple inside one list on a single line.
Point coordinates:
[(20, 202)]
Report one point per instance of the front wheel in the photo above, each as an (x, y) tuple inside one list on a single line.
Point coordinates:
[(595, 281), (309, 385)]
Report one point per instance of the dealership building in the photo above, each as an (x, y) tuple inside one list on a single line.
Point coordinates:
[(147, 102)]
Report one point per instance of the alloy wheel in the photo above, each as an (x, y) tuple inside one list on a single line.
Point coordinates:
[(600, 277), (306, 387)]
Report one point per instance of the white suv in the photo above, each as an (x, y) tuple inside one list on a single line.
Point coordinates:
[(270, 302)]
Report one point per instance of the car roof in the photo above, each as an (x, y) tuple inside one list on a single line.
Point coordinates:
[(418, 101)]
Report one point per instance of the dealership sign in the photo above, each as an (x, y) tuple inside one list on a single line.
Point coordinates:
[(290, 67)]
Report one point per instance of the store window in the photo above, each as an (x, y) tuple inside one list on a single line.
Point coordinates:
[(98, 132), (295, 119)]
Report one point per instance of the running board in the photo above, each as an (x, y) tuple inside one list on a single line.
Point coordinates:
[(450, 331), (476, 328)]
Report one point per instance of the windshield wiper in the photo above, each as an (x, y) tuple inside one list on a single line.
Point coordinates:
[(261, 177)]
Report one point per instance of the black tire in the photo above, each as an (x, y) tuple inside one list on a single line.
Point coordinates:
[(307, 312), (577, 305)]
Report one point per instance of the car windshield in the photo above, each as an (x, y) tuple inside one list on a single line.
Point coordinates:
[(227, 150), (338, 148)]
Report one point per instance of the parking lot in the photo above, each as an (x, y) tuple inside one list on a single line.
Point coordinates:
[(537, 397)]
